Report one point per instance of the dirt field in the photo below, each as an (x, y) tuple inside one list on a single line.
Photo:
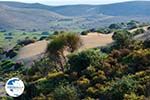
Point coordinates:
[(92, 40), (32, 50)]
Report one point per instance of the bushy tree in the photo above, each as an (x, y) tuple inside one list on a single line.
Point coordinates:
[(139, 31), (122, 38), (146, 43), (66, 92), (84, 33), (80, 61), (63, 42), (138, 60), (115, 26), (42, 67), (132, 24), (55, 51), (121, 87), (104, 30), (72, 41)]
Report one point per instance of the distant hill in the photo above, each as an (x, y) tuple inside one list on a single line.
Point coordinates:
[(35, 16), (116, 9), (23, 18), (133, 8), (26, 5)]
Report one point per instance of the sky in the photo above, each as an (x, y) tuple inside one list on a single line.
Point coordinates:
[(68, 2)]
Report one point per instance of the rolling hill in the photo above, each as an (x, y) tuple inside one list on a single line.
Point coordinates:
[(117, 9), (35, 16), (35, 51), (16, 18)]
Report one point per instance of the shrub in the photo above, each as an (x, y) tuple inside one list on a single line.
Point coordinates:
[(115, 26), (138, 60), (11, 54), (65, 92), (132, 24), (7, 65), (146, 43), (26, 41), (88, 98), (92, 91), (43, 67), (45, 33), (99, 77), (80, 61), (104, 30), (139, 31), (83, 82), (133, 96), (43, 38), (84, 33), (121, 87), (6, 98), (122, 38), (56, 33)]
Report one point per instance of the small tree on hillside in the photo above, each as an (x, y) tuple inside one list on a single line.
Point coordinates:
[(62, 42), (72, 41)]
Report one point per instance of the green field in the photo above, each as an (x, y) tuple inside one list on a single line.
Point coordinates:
[(16, 36)]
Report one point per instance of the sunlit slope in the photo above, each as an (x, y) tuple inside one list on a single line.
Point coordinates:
[(92, 40), (26, 19), (32, 50)]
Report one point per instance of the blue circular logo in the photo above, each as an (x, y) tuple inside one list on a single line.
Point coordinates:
[(14, 87)]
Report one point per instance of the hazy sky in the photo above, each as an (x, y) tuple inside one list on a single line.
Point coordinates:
[(66, 2)]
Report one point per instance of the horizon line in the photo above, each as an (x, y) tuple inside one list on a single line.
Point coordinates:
[(75, 3)]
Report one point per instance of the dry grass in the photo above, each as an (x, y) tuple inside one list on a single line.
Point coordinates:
[(91, 40), (145, 28), (32, 50)]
